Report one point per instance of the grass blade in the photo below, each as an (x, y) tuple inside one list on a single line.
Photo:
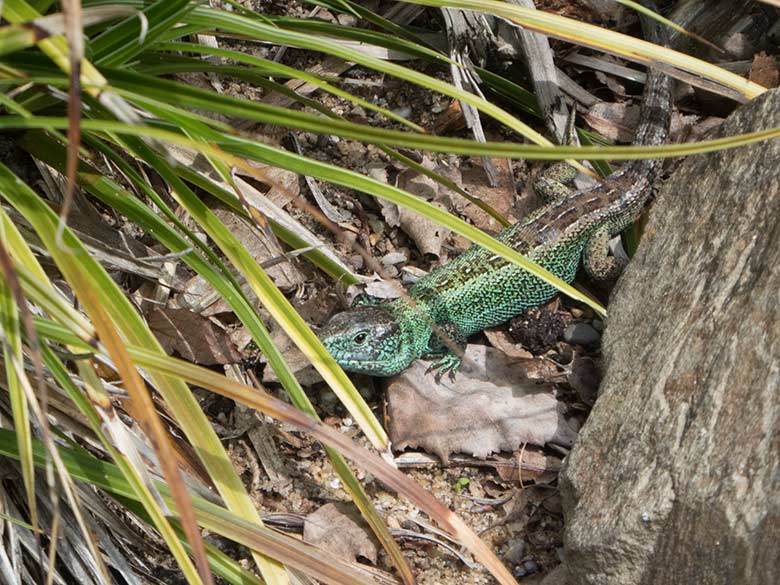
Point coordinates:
[(182, 403), (124, 202), (630, 48)]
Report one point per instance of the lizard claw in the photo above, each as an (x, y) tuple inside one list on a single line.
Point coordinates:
[(446, 364)]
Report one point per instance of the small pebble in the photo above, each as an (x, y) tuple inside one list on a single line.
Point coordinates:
[(412, 274), (377, 225), (357, 261), (393, 258), (515, 553), (328, 400), (531, 567), (525, 569), (366, 389), (403, 112), (581, 334), (346, 20)]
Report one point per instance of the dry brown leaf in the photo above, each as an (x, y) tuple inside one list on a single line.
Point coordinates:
[(614, 84), (764, 70), (500, 198), (490, 406), (280, 185), (527, 464), (298, 363), (426, 234), (584, 378), (418, 184), (382, 289), (536, 368), (339, 529), (194, 338), (284, 274), (615, 121), (501, 340), (450, 120)]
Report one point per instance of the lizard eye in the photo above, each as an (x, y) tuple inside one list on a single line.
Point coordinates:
[(360, 338)]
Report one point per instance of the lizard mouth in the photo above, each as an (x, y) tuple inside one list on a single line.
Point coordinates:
[(368, 365)]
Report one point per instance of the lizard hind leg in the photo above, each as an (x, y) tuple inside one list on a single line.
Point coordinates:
[(552, 184), (596, 259)]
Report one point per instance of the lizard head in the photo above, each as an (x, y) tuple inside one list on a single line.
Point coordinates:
[(368, 340)]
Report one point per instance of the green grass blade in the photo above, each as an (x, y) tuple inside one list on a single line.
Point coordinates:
[(17, 36), (229, 22), (11, 339), (362, 35), (182, 403), (372, 135), (123, 41), (608, 41), (124, 202), (274, 68), (110, 478)]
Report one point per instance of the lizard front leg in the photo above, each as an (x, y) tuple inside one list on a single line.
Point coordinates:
[(449, 360)]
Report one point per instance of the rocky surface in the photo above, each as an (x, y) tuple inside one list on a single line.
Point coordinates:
[(676, 475)]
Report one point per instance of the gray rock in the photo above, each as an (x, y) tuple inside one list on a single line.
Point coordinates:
[(676, 475), (328, 400), (558, 576), (515, 553), (403, 112), (525, 569), (581, 334), (531, 567), (393, 258)]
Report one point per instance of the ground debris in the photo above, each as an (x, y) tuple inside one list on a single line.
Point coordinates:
[(491, 406), (194, 338), (338, 528)]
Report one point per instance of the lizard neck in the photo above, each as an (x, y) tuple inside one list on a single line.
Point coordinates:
[(414, 319)]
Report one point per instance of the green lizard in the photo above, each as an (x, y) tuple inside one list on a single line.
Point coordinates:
[(478, 289)]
